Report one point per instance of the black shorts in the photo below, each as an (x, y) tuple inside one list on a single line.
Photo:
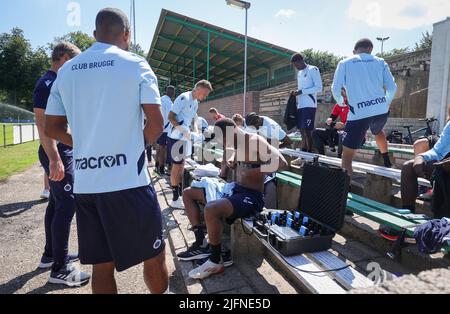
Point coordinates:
[(246, 203), (306, 118), (355, 131), (162, 140), (122, 227), (176, 151)]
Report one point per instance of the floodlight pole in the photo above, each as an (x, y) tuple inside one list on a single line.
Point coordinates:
[(382, 43), (245, 62)]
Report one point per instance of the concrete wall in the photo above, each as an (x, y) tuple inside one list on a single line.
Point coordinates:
[(439, 94)]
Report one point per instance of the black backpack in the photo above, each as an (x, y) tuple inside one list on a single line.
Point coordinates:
[(290, 117)]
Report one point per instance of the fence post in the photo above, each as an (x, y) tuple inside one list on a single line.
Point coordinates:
[(4, 135), (20, 132), (32, 126)]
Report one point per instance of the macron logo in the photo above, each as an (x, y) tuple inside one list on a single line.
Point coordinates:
[(370, 103), (101, 162), (48, 82)]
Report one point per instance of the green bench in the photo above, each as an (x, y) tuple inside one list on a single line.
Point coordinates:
[(375, 211), (409, 151)]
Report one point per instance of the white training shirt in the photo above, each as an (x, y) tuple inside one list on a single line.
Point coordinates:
[(185, 107), (310, 83), (271, 130), (369, 84), (101, 92), (166, 107)]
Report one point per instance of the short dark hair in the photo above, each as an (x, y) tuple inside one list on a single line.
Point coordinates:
[(364, 43), (296, 58), (204, 84), (64, 48), (251, 119), (213, 110), (222, 124), (111, 22)]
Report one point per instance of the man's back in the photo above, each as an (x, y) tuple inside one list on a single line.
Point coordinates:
[(365, 78), (101, 92)]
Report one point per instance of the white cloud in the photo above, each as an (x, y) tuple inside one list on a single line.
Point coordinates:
[(287, 13), (399, 14)]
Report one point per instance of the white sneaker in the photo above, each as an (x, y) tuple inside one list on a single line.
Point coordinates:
[(207, 269), (178, 204), (45, 195), (298, 162)]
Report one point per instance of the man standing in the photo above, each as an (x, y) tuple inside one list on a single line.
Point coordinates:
[(309, 85), (182, 116), (161, 152), (57, 161), (370, 90), (215, 115), (103, 95)]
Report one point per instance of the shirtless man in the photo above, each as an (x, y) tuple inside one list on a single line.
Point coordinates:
[(252, 157)]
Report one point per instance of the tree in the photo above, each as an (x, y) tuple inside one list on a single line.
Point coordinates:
[(79, 39), (425, 42), (324, 60), (20, 67), (137, 49), (394, 52)]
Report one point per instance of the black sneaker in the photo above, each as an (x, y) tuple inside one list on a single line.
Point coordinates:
[(47, 262), (69, 275), (195, 252), (227, 259)]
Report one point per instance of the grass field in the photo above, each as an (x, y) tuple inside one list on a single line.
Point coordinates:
[(9, 134), (14, 159)]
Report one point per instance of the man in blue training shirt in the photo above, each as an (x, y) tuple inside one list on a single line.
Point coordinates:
[(103, 94), (57, 161), (370, 89), (309, 85), (161, 151)]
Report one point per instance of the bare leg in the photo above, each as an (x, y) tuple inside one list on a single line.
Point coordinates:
[(215, 212), (191, 198), (421, 146), (46, 183), (176, 174), (382, 142), (348, 155), (162, 152), (156, 275), (103, 281)]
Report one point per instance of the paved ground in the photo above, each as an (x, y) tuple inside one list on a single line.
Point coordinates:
[(22, 240)]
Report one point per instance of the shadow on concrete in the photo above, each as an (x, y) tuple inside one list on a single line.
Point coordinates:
[(16, 209), (18, 283)]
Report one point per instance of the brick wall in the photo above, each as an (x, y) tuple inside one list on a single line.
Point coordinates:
[(229, 106)]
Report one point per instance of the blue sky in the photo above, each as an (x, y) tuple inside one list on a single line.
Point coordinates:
[(332, 25)]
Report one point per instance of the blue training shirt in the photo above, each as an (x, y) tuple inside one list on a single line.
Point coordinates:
[(369, 84), (442, 147), (101, 92)]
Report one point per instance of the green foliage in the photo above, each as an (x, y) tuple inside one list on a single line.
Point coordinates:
[(324, 60), (425, 42), (137, 49), (394, 52), (79, 39)]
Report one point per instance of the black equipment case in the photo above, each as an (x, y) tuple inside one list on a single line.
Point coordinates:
[(323, 199)]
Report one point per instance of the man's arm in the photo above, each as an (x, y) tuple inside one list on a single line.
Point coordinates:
[(154, 126), (389, 84), (57, 128), (56, 165), (339, 83)]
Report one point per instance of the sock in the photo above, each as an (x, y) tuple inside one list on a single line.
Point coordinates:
[(162, 170), (156, 165), (199, 235), (387, 161), (176, 194), (180, 190), (216, 251)]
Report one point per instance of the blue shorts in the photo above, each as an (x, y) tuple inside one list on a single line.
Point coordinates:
[(124, 228), (176, 151), (162, 140), (355, 131), (306, 118), (246, 203)]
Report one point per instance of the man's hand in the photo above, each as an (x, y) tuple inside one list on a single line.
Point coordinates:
[(231, 163), (295, 93), (419, 166), (56, 170)]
